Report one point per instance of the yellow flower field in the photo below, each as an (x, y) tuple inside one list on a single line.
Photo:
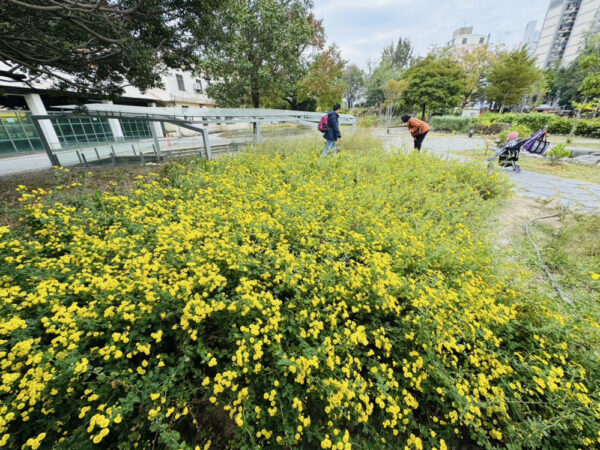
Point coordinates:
[(279, 299)]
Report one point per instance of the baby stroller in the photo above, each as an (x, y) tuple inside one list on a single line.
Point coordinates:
[(508, 155)]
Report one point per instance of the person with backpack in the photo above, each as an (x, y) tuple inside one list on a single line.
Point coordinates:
[(330, 127), (418, 129)]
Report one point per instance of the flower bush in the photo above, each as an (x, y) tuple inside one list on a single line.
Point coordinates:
[(280, 299)]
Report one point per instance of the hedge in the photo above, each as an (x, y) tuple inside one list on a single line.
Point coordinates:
[(493, 123), (452, 123), (556, 125)]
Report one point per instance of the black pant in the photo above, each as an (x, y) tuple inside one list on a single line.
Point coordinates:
[(419, 140)]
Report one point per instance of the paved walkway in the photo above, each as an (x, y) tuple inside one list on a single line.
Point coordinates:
[(568, 192)]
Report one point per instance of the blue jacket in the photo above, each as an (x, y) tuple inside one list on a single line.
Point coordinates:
[(333, 134)]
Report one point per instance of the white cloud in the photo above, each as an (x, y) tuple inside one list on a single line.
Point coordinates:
[(324, 7), (362, 28)]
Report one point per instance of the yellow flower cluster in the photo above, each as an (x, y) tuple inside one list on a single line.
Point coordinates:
[(278, 300)]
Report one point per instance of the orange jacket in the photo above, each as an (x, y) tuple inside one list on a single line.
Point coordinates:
[(417, 127)]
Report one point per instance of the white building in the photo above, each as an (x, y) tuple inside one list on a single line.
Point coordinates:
[(588, 20), (530, 37), (464, 38), (181, 89), (565, 26)]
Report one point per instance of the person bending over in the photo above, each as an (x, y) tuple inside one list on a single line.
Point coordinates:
[(418, 129)]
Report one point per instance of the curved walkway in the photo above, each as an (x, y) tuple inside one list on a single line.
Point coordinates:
[(566, 191)]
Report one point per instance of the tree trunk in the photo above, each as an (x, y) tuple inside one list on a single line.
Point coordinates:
[(465, 101), (501, 109), (423, 112)]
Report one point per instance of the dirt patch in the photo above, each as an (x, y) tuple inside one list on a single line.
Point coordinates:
[(515, 214)]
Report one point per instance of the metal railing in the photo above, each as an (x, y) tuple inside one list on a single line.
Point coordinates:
[(196, 120)]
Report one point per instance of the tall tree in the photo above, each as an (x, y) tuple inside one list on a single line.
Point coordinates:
[(354, 78), (475, 63), (399, 55), (590, 62), (376, 78), (435, 83), (324, 79), (259, 51), (395, 58), (393, 90), (563, 84), (511, 77), (100, 45)]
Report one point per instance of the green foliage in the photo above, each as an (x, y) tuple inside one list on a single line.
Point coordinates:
[(258, 50), (452, 123), (511, 77), (283, 300), (434, 83), (558, 151), (394, 60), (399, 55), (393, 90), (556, 124), (324, 80), (523, 130), (368, 121), (377, 77), (354, 79), (590, 63), (487, 127), (563, 84), (476, 63), (588, 128), (100, 46)]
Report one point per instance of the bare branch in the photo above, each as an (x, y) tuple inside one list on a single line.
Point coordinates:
[(92, 32), (36, 7)]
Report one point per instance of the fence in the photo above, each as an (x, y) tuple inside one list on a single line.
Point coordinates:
[(143, 127)]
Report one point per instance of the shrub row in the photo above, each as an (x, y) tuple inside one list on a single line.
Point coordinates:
[(555, 124), (452, 123), (493, 123)]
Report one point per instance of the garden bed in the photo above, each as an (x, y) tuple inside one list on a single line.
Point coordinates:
[(282, 299)]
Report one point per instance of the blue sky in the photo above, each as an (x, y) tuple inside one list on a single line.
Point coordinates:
[(361, 28)]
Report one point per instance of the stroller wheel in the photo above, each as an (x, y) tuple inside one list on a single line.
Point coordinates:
[(518, 169)]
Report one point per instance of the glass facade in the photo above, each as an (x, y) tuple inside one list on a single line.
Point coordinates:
[(18, 134), (76, 131), (135, 129)]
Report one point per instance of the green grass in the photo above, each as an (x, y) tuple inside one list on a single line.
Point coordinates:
[(565, 170)]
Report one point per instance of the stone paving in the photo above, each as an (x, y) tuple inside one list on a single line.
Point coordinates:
[(565, 191)]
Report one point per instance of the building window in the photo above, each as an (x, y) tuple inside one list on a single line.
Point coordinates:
[(481, 40), (198, 86), (464, 41), (180, 84)]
